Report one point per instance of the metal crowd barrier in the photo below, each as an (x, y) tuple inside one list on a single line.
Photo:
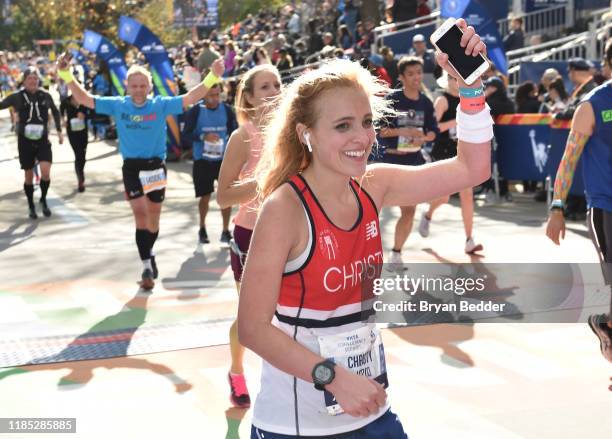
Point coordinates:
[(547, 21)]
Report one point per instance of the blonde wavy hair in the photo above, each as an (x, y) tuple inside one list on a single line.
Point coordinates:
[(244, 110), (284, 155)]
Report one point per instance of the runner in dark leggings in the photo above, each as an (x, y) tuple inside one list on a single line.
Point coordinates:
[(32, 105), (76, 127), (141, 125), (591, 137)]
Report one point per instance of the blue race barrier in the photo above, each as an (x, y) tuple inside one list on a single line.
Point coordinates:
[(530, 147), (522, 147)]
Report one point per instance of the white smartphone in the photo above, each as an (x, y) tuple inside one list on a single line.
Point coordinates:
[(446, 39)]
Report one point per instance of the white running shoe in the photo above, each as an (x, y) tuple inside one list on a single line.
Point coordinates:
[(395, 262), (424, 226), (490, 198), (471, 247)]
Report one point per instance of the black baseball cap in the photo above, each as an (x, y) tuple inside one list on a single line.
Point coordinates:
[(495, 81), (579, 64)]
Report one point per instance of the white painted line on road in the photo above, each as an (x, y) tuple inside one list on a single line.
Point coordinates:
[(14, 309), (67, 211)]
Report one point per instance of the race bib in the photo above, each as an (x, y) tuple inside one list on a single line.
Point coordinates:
[(34, 131), (359, 351), (77, 124), (213, 150), (152, 180)]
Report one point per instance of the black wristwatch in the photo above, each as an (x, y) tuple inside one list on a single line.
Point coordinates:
[(323, 374), (557, 205)]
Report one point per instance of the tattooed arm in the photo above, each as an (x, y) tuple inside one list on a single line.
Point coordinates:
[(565, 174), (583, 124)]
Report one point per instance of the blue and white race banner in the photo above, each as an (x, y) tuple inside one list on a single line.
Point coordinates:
[(105, 50)]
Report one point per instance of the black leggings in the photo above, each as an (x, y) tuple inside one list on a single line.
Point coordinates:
[(79, 146)]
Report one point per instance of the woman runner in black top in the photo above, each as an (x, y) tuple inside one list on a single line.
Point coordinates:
[(76, 126), (445, 147)]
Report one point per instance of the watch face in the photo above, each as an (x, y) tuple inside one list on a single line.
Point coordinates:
[(323, 373)]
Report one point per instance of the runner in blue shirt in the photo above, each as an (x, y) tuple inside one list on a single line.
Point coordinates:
[(141, 125), (590, 138), (209, 125)]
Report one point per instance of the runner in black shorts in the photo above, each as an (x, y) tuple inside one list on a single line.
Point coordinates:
[(209, 125), (591, 137), (141, 124), (32, 105)]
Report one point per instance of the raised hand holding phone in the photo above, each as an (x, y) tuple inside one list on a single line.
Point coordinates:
[(460, 52)]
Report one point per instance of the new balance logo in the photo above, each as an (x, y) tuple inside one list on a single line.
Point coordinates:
[(371, 230)]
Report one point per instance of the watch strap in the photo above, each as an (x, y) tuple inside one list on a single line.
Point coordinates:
[(318, 384)]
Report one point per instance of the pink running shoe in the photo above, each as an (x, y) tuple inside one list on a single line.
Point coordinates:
[(239, 392)]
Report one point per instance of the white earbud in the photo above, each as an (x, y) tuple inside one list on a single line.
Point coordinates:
[(307, 139)]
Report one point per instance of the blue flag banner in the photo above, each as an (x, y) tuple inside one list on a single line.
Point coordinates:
[(453, 8), (105, 50), (135, 33), (483, 16)]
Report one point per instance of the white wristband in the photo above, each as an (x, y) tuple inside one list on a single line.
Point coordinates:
[(475, 128)]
